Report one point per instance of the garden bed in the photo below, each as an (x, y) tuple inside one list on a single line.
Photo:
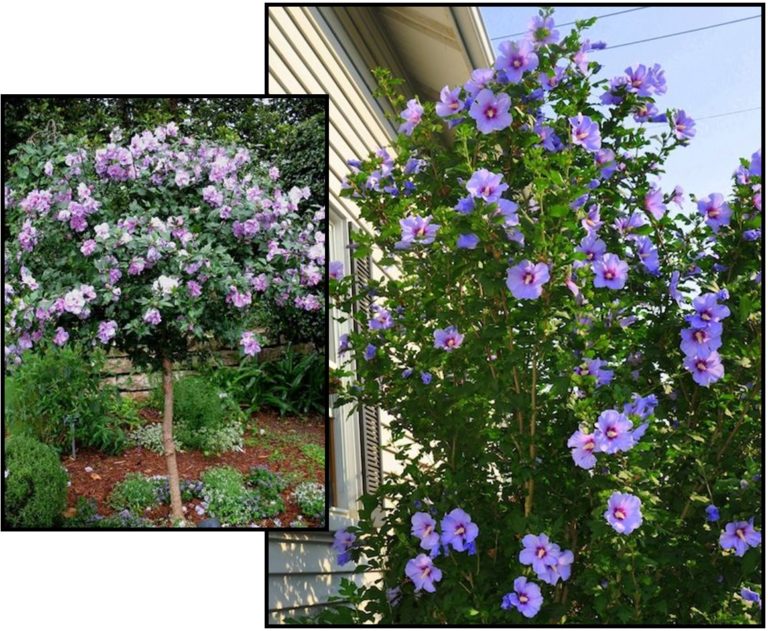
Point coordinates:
[(279, 444)]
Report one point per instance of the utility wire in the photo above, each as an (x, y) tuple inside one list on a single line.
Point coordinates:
[(693, 30), (751, 109), (599, 17)]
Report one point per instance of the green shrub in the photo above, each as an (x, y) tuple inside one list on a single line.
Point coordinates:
[(226, 497), (310, 496), (51, 388), (150, 436), (135, 493), (314, 452), (267, 487), (205, 418), (35, 485)]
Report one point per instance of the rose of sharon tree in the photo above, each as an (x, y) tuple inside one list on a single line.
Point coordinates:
[(153, 245), (574, 350)]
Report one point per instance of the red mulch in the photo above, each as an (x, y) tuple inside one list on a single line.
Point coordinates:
[(109, 470)]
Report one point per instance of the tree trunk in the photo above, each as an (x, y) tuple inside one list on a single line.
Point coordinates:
[(168, 446)]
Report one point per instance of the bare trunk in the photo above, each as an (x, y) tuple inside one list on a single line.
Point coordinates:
[(168, 446)]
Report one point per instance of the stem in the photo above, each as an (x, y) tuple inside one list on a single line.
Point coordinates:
[(168, 446), (532, 434)]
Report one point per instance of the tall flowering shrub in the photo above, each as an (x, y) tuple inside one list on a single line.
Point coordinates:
[(574, 349), (153, 244)]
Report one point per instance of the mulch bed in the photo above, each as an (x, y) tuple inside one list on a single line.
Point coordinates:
[(282, 434)]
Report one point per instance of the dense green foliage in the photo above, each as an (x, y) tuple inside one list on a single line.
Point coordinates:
[(493, 417), (135, 493), (35, 484), (229, 499)]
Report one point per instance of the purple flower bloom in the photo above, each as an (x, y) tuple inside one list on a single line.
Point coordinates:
[(559, 570), (458, 530), (740, 535), (423, 573), (549, 82), (645, 81), (756, 164), (612, 432), (152, 316), (416, 229), (592, 223), (515, 59), (623, 513), (526, 598), (641, 406), (748, 595), (479, 78), (486, 185), (370, 352), (426, 378), (467, 241), (594, 367), (538, 552), (194, 288), (449, 102), (705, 370), (465, 205), (423, 527), (654, 203), (606, 159), (542, 30), (701, 341), (250, 343), (677, 196), (683, 126), (344, 343), (610, 271), (381, 320), (708, 310), (712, 512), (238, 299), (648, 255), (592, 246), (448, 338), (716, 211), (412, 116), (582, 447), (342, 542), (751, 235), (525, 279), (585, 133), (88, 247), (107, 331), (673, 290), (491, 111), (60, 338)]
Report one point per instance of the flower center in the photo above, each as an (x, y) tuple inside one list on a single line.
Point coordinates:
[(540, 552), (454, 105), (713, 213), (584, 370), (611, 433), (460, 530), (706, 317), (740, 533), (609, 274), (582, 135), (450, 342), (426, 571), (699, 335), (701, 365), (527, 278), (522, 598), (421, 231), (490, 112), (619, 514), (589, 446), (680, 127), (516, 63)]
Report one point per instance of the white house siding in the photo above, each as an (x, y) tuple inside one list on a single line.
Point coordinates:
[(330, 50)]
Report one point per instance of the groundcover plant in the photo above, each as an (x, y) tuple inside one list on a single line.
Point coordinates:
[(152, 244), (574, 351)]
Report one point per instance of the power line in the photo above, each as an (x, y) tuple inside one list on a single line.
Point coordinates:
[(693, 30), (599, 17), (751, 109)]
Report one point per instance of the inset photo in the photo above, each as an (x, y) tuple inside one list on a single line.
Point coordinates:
[(546, 288), (164, 268)]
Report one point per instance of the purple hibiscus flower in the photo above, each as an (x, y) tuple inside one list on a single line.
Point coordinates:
[(648, 254), (467, 241), (250, 343), (88, 247), (458, 530), (716, 211), (465, 205), (107, 331), (449, 102), (370, 352), (756, 163), (612, 432), (59, 339), (606, 160), (336, 270), (654, 203), (610, 271), (583, 446), (592, 246), (416, 229), (538, 552), (344, 345), (623, 513), (423, 573), (152, 316), (491, 111), (423, 527), (712, 513), (515, 59), (525, 279), (701, 341), (381, 320), (674, 292), (595, 368), (542, 31), (705, 370), (708, 310), (426, 378), (750, 596), (591, 223), (448, 338), (560, 570), (642, 407), (526, 598), (740, 535), (342, 543), (548, 82), (683, 126), (486, 185), (585, 132), (479, 79), (411, 116)]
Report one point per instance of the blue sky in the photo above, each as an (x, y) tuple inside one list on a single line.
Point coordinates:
[(708, 73)]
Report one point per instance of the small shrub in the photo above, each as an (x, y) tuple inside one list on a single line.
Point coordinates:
[(135, 493), (190, 489), (267, 487), (35, 485), (150, 436), (314, 452), (310, 496), (226, 497), (123, 519)]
